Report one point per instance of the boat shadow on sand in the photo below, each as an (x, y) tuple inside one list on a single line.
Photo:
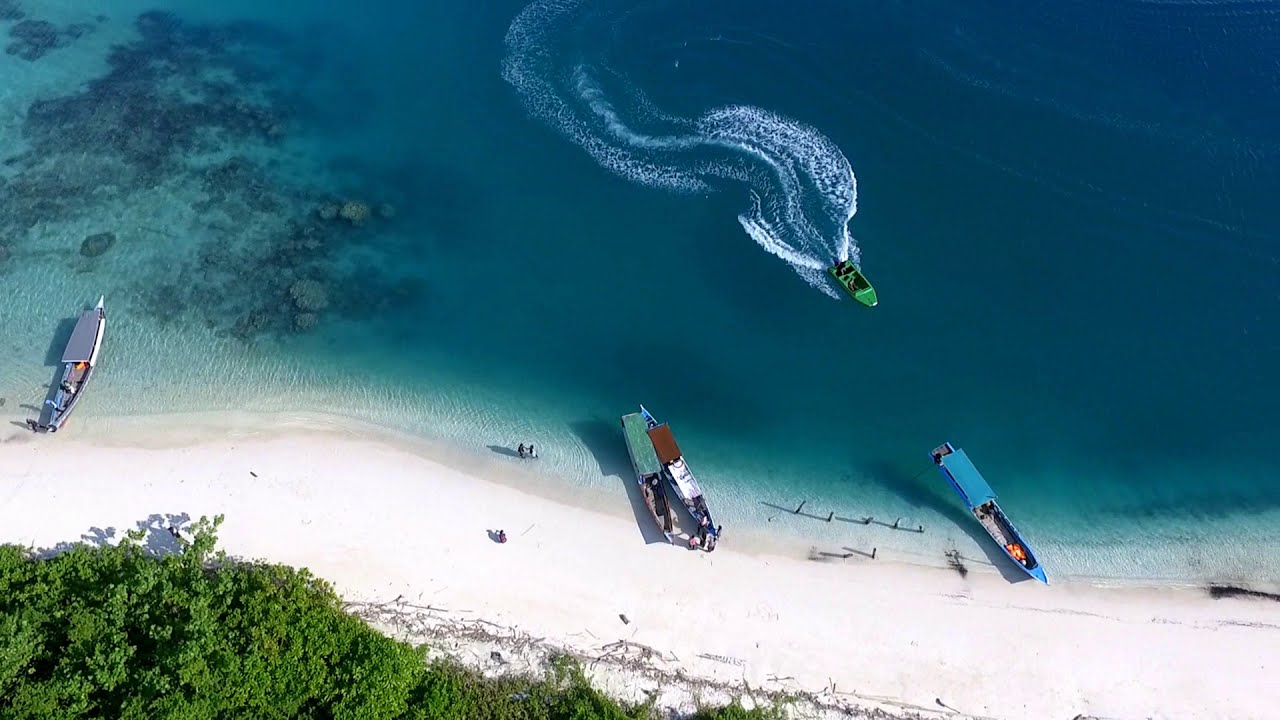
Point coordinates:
[(918, 491), (604, 440)]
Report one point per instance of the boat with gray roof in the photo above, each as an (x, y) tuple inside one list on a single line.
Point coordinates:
[(79, 360)]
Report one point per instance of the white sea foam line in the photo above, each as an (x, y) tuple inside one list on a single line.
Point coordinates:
[(797, 156), (782, 166), (780, 144)]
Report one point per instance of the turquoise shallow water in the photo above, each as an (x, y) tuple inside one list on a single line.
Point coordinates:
[(1067, 213)]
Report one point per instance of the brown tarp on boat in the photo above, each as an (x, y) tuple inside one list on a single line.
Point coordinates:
[(664, 443)]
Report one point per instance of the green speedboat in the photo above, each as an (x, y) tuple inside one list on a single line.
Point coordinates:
[(854, 282)]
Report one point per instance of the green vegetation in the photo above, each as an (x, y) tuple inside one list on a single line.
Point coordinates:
[(115, 632)]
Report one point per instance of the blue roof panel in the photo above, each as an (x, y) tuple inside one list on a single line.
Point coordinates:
[(966, 476)]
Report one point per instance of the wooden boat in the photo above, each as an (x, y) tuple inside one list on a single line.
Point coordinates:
[(981, 501), (850, 277), (682, 482), (648, 472), (79, 359)]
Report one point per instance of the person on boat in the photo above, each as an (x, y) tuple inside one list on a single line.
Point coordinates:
[(520, 449), (502, 536)]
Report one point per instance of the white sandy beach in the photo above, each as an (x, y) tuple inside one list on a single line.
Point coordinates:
[(384, 521)]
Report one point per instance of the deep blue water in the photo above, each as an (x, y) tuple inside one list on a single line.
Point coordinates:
[(1067, 209)]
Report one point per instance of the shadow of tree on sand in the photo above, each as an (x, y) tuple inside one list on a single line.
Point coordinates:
[(156, 540)]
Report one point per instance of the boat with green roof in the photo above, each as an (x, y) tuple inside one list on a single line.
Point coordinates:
[(644, 460), (850, 277)]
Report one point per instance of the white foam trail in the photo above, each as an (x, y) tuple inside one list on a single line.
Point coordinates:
[(802, 189)]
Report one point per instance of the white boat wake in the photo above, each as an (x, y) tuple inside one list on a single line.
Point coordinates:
[(801, 189)]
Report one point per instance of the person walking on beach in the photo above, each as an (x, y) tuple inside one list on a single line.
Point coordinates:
[(502, 536)]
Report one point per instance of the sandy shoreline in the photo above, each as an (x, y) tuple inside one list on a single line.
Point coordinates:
[(398, 532)]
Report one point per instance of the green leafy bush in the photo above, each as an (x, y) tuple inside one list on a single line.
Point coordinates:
[(116, 632)]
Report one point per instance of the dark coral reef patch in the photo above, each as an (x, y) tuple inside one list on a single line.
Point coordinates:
[(33, 39), (192, 117), (11, 10)]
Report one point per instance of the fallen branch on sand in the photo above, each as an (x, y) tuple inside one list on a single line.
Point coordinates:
[(723, 659)]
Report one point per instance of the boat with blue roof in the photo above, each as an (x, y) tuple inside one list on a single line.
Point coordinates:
[(978, 496)]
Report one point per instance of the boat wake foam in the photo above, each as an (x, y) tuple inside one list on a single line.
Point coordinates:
[(801, 189)]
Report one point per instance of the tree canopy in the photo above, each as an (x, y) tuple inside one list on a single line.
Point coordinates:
[(119, 632)]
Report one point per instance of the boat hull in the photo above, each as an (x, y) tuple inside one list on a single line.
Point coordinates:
[(850, 277), (56, 418), (1036, 570), (655, 498)]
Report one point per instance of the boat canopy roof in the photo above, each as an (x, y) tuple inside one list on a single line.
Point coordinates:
[(664, 443), (641, 448), (967, 477), (83, 338)]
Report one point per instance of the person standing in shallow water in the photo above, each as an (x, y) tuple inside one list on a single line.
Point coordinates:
[(520, 449)]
